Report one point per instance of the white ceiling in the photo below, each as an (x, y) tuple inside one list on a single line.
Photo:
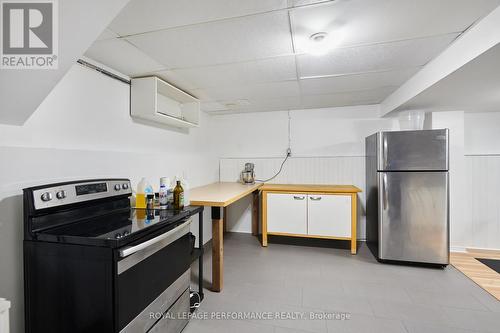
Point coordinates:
[(246, 56), (475, 87)]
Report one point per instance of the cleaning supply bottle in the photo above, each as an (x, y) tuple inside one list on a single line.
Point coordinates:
[(178, 196), (140, 196), (149, 190), (164, 191)]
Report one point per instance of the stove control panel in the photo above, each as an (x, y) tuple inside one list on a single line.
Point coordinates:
[(69, 193)]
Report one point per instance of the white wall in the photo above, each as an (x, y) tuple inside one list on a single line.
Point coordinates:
[(482, 158), (454, 121), (83, 130), (482, 133), (327, 147)]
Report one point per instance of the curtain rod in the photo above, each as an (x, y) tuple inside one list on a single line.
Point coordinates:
[(103, 71)]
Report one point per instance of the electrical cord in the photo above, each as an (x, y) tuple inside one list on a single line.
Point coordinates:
[(196, 304), (279, 171)]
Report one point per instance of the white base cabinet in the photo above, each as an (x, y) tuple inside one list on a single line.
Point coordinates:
[(287, 213), (312, 211), (329, 215)]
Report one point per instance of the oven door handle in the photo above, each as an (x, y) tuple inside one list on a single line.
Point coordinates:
[(178, 231)]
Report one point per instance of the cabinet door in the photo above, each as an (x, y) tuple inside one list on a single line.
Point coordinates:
[(287, 213), (329, 215)]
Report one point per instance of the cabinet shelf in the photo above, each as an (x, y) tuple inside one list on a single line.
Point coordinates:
[(155, 100)]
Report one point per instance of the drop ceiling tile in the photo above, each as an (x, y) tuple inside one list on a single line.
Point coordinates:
[(298, 3), (263, 105), (249, 72), (359, 21), (212, 107), (240, 39), (366, 97), (378, 57), (250, 92), (276, 104), (356, 82), (121, 56), (149, 15)]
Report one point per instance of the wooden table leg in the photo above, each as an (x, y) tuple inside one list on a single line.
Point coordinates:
[(200, 259), (224, 218), (255, 213), (354, 221), (264, 218), (217, 250)]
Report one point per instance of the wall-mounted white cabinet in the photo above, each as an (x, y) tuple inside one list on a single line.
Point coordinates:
[(155, 100)]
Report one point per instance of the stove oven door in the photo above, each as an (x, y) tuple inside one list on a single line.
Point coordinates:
[(153, 280)]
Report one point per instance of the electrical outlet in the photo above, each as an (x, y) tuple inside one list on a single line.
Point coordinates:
[(289, 152)]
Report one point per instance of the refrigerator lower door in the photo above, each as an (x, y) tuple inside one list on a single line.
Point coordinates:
[(413, 217)]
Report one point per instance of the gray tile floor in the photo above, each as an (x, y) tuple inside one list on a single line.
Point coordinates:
[(377, 297)]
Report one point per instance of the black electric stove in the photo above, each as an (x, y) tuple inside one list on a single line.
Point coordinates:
[(94, 263)]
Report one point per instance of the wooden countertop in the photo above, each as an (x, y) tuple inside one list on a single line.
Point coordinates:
[(223, 194), (310, 188), (220, 194)]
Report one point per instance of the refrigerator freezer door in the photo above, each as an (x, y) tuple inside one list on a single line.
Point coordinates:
[(413, 217), (413, 150)]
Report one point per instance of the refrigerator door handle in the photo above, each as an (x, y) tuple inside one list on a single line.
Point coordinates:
[(384, 152), (384, 191)]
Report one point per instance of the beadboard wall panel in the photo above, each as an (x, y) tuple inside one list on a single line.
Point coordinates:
[(297, 170), (483, 201)]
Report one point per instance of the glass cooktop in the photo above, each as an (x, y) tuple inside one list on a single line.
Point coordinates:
[(121, 225)]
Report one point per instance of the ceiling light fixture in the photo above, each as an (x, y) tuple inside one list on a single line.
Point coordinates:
[(320, 43)]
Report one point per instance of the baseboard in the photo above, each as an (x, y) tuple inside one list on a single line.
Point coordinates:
[(207, 246), (482, 250), (458, 249), (465, 249)]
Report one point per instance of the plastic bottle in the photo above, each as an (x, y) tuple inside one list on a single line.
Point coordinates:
[(149, 189), (143, 189), (140, 197), (164, 191)]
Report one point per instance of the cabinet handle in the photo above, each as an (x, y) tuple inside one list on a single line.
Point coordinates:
[(298, 198), (315, 198)]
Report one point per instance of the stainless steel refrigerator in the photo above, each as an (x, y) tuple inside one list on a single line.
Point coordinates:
[(407, 196)]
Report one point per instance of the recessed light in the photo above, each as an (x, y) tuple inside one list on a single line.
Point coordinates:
[(243, 102), (318, 37), (231, 105), (237, 103), (322, 42)]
